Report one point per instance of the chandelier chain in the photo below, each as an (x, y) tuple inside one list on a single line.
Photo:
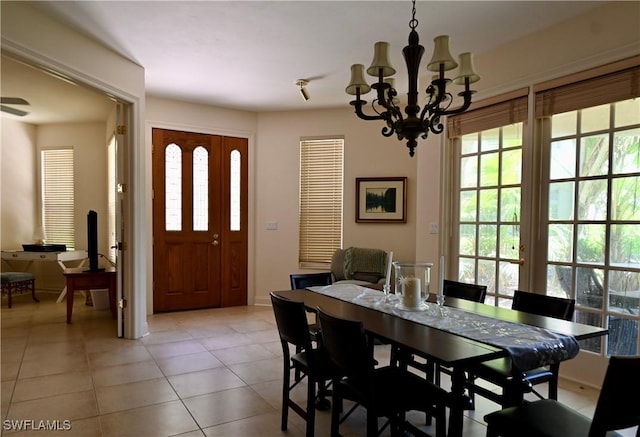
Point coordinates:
[(413, 23)]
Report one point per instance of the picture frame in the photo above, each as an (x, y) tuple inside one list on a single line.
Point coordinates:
[(381, 200)]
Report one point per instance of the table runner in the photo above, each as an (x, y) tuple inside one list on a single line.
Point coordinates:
[(529, 346)]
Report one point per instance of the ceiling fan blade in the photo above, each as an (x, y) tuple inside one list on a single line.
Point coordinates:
[(13, 111), (13, 101)]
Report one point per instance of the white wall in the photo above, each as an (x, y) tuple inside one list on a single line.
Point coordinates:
[(19, 186), (366, 154), (21, 145)]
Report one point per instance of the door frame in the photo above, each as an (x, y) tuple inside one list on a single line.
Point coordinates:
[(132, 316), (250, 137)]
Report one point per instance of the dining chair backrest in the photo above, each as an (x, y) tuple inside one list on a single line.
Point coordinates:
[(463, 290), (304, 280), (543, 305), (615, 409), (346, 344), (291, 319)]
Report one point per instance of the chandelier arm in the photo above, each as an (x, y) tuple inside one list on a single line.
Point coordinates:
[(357, 104), (467, 102)]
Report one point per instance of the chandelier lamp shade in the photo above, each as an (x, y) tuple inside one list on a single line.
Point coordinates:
[(415, 122)]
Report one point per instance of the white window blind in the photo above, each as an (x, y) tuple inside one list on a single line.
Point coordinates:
[(321, 177), (58, 196)]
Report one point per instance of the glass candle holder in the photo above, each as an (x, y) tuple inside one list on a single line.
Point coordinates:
[(412, 284)]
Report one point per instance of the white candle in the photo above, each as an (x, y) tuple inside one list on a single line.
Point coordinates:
[(441, 275), (389, 262), (411, 292)]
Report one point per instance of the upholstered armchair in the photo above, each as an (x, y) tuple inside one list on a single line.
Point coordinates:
[(360, 266)]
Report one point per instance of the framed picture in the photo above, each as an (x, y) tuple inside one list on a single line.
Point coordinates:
[(381, 200)]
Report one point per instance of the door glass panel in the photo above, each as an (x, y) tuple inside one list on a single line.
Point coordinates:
[(627, 112), (489, 229), (234, 207), (559, 247), (561, 201), (173, 187), (468, 206), (563, 159), (594, 254), (564, 124), (200, 189), (594, 155), (626, 156), (489, 169), (591, 240), (488, 205), (595, 118), (469, 172), (592, 199), (490, 140)]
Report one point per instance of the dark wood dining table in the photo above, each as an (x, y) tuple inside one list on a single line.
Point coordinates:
[(442, 347)]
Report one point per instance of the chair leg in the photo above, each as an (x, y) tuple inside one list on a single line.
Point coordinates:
[(336, 410), (286, 376), (311, 406), (492, 431), (32, 285), (553, 382)]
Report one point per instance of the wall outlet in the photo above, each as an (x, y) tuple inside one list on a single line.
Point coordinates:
[(272, 226), (433, 228)]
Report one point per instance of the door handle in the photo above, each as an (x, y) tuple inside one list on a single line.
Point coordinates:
[(520, 262), (215, 240)]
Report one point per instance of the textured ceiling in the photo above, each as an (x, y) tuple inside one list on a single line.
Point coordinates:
[(248, 55)]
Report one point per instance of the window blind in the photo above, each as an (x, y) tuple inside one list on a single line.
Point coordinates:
[(321, 182), (614, 87), (506, 110), (58, 196)]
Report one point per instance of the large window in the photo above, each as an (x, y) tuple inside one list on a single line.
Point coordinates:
[(554, 206), (488, 144), (57, 191), (321, 176), (590, 136)]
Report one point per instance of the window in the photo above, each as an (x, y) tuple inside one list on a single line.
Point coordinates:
[(548, 201), (57, 191), (321, 177), (488, 144), (590, 132)]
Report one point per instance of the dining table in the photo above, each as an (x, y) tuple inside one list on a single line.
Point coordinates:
[(438, 345)]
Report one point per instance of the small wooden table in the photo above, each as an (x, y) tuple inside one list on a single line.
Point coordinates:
[(78, 278)]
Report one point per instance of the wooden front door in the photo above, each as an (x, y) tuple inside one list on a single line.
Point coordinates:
[(199, 220)]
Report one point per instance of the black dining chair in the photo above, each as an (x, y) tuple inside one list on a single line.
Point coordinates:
[(616, 409), (386, 391), (304, 280), (300, 281), (464, 290), (501, 371), (309, 362)]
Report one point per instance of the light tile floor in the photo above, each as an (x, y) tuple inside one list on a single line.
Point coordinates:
[(209, 373)]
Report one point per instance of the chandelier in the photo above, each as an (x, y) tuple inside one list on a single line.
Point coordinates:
[(415, 123)]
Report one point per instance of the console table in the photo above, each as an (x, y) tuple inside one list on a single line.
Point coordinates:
[(58, 257), (80, 279)]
